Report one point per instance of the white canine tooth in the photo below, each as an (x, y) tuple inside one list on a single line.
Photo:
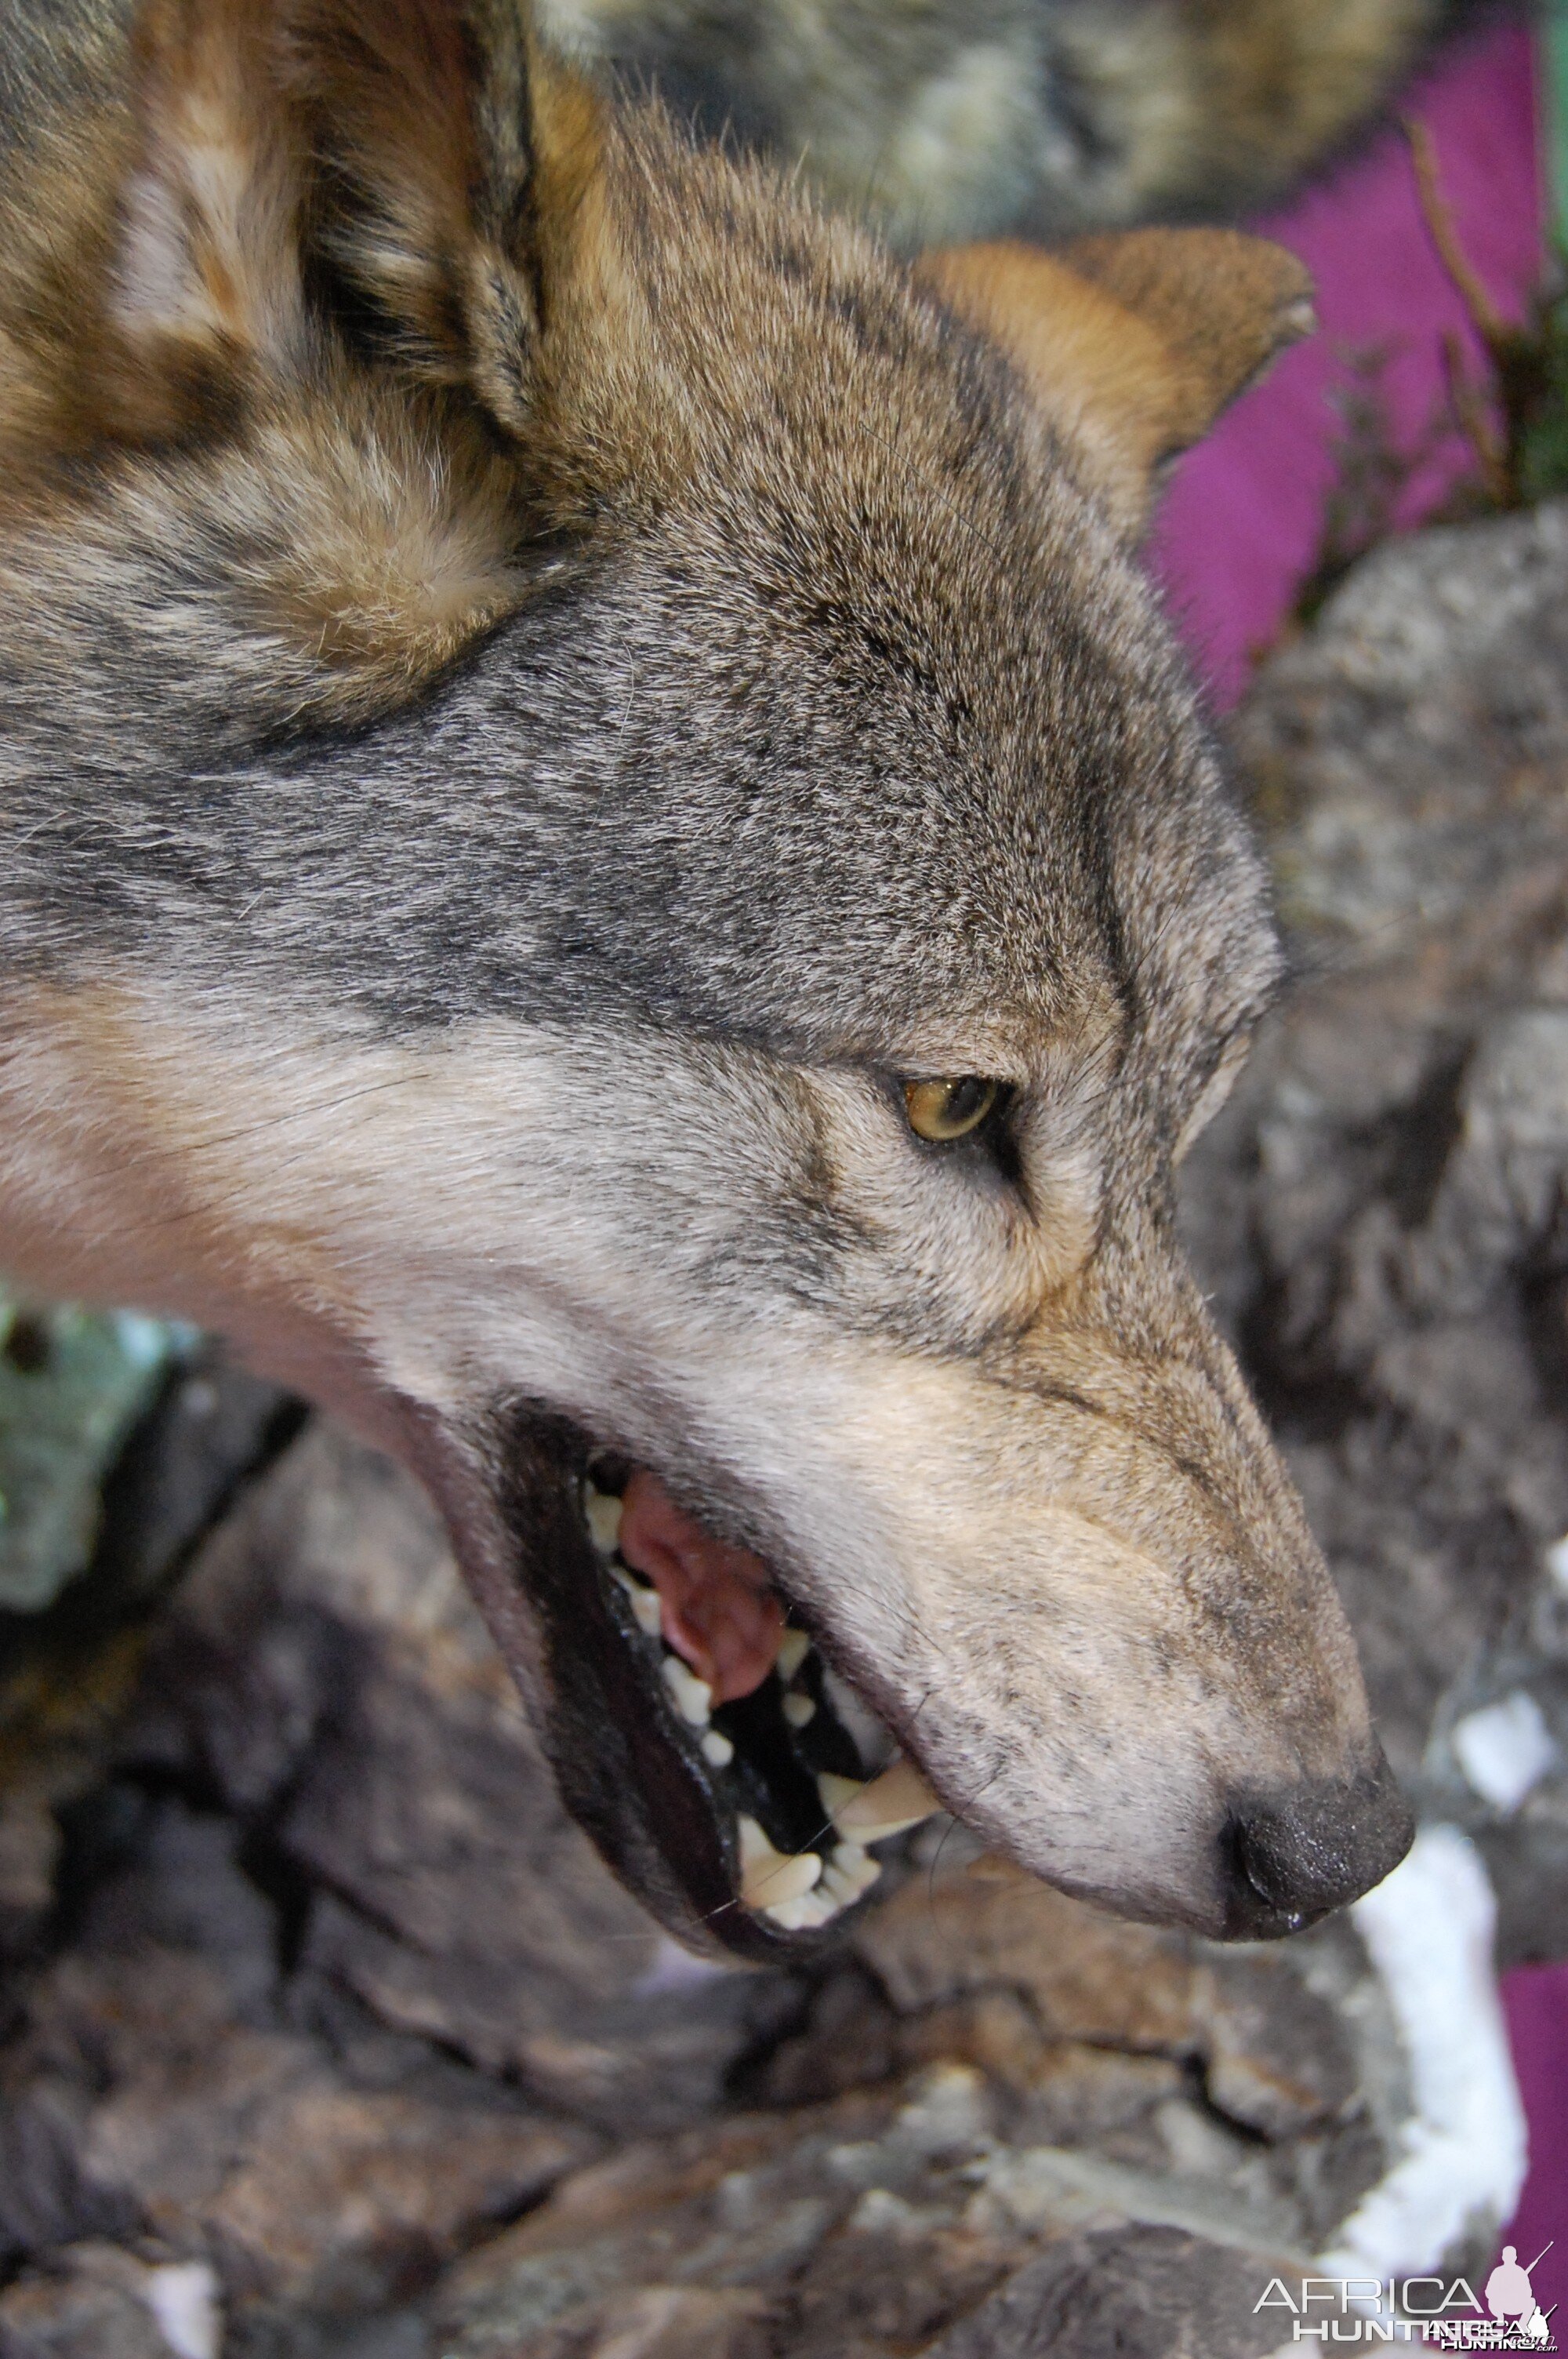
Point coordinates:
[(799, 1710), (795, 1873), (718, 1748), (794, 1648), (900, 1798), (843, 1888), (769, 1878), (643, 1602), (693, 1697), (837, 1792), (602, 1510)]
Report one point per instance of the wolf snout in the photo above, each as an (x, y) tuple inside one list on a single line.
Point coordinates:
[(1290, 1859)]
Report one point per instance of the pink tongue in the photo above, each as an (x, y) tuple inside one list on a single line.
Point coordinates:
[(718, 1612)]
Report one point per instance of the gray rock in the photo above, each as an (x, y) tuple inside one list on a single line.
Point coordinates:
[(323, 1668), (91, 2303), (1380, 1211), (1141, 2293)]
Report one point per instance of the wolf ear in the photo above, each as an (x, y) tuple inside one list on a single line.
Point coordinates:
[(1133, 342), (421, 154), (463, 185)]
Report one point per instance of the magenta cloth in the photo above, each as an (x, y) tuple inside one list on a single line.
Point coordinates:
[(1240, 523), (1536, 2000), (1240, 527)]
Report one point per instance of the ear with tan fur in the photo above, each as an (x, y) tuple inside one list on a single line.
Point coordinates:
[(1135, 343), (420, 149)]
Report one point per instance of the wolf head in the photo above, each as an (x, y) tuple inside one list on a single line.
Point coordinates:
[(611, 865)]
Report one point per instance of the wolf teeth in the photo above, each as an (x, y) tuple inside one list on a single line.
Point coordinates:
[(693, 1697), (846, 1875), (644, 1602), (850, 1872), (770, 1878), (794, 1648), (836, 1791), (899, 1798), (601, 1512), (798, 1891), (810, 1909)]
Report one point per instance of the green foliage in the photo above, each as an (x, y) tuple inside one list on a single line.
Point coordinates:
[(1540, 427)]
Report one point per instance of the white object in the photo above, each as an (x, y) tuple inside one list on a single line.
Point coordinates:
[(603, 1511), (1428, 1928), (183, 2298), (1504, 1749), (794, 1648)]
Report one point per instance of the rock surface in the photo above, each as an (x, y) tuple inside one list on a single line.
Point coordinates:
[(1383, 1210), (316, 2001)]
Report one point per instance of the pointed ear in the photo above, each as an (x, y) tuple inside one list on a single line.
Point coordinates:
[(423, 149), (463, 185), (1135, 343)]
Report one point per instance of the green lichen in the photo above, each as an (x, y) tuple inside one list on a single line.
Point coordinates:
[(72, 1385)]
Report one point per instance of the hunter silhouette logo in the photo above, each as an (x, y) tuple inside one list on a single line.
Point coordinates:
[(1512, 2304)]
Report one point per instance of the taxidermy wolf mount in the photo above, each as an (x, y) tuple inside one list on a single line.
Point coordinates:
[(608, 862)]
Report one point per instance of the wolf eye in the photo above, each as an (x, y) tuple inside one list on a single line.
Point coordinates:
[(949, 1109)]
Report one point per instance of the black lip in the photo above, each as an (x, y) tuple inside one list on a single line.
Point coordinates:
[(642, 1797)]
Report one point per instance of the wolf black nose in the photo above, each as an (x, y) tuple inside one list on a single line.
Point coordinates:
[(1290, 1859)]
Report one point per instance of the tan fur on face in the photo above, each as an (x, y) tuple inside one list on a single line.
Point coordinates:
[(209, 233)]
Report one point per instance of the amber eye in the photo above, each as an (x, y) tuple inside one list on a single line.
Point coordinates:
[(949, 1109)]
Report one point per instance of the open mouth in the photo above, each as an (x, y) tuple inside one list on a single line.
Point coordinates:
[(803, 1778), (730, 1777)]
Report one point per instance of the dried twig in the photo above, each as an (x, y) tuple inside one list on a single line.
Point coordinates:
[(1475, 415), (1485, 317)]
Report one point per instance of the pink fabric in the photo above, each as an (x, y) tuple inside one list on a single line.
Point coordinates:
[(1536, 2000), (1241, 524), (1240, 527)]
